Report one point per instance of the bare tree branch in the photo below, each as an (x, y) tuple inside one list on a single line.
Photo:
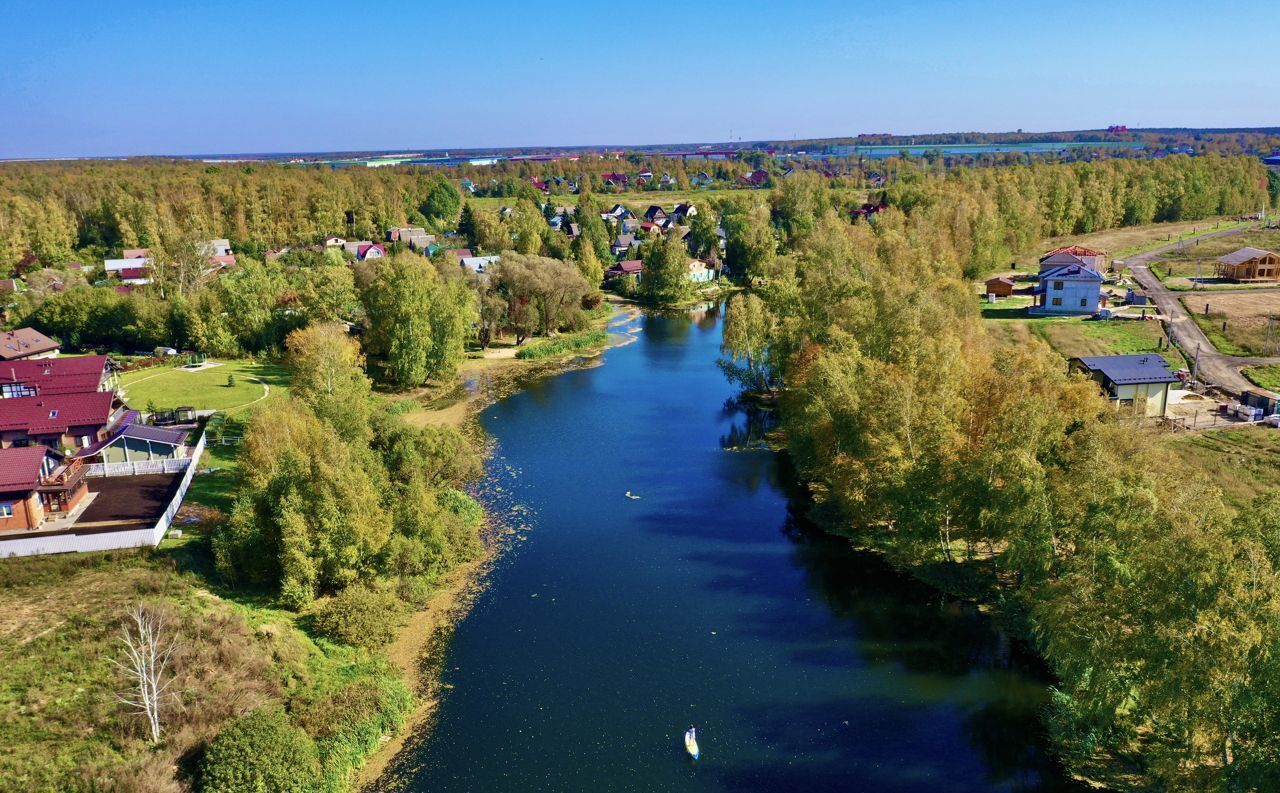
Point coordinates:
[(148, 647)]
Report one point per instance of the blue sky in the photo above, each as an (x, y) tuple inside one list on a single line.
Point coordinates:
[(140, 77)]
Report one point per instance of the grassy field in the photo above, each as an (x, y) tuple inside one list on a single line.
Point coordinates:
[(1245, 315), (1197, 258), (1122, 242), (1242, 462), (1267, 377), (60, 619), (1075, 336), (170, 387)]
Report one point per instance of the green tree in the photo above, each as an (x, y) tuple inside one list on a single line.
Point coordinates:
[(328, 376), (441, 205), (666, 271)]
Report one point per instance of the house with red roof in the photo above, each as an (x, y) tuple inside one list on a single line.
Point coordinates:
[(757, 178), (631, 268), (60, 421), (1074, 254), (135, 276), (37, 484), (53, 376), (25, 344)]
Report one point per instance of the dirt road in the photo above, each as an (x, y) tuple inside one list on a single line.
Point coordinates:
[(1215, 368)]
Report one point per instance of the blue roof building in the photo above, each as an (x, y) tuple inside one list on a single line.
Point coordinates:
[(1135, 383)]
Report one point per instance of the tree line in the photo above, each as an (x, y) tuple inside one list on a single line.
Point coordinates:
[(986, 464)]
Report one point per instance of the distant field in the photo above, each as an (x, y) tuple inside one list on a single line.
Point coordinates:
[(1122, 242), (170, 387), (1246, 317), (1197, 259), (1243, 462)]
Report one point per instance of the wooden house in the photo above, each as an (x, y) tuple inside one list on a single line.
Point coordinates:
[(1249, 264), (1000, 287)]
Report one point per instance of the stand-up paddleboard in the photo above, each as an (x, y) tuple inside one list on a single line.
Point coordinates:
[(691, 743)]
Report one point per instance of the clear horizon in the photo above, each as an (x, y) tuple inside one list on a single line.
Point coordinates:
[(238, 79)]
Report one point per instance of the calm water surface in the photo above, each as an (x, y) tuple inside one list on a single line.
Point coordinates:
[(615, 623)]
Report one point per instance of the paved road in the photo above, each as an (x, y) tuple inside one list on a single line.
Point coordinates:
[(1215, 368)]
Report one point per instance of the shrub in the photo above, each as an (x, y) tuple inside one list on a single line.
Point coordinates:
[(261, 752), (362, 617), (563, 345), (348, 724), (462, 505)]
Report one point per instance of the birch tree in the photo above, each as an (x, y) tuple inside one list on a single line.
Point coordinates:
[(148, 647)]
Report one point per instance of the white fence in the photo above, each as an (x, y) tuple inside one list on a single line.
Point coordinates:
[(141, 467), (112, 540)]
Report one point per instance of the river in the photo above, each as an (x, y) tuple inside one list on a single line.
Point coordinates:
[(612, 624)]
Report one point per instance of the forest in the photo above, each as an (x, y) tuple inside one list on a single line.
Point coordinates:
[(987, 468)]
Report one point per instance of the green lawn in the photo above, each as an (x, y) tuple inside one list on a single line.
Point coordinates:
[(1267, 377), (171, 387), (1075, 336)]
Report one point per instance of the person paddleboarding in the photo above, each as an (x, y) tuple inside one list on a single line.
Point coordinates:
[(691, 742)]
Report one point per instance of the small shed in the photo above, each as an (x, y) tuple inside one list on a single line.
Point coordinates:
[(1000, 287), (1257, 398), (1136, 297)]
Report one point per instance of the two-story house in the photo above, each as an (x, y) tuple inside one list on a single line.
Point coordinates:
[(1067, 289)]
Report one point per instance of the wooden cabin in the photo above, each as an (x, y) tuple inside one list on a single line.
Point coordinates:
[(1249, 264), (1000, 287)]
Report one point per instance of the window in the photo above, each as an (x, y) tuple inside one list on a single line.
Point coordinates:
[(84, 441), (1057, 301), (1084, 301), (6, 510), (53, 414), (1057, 286)]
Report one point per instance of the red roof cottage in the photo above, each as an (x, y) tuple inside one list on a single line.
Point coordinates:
[(16, 345), (35, 483), (50, 376), (61, 421)]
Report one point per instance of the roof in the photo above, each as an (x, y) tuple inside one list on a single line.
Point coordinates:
[(52, 376), (134, 272), (23, 343), (43, 415), (1127, 369), (20, 467), (1074, 250), (477, 264), (1244, 255), (154, 434), (135, 253), (1071, 272), (629, 266), (1000, 280)]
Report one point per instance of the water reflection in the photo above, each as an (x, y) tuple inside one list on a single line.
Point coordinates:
[(752, 422)]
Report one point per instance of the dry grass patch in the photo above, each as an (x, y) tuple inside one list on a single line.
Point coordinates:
[(1245, 314)]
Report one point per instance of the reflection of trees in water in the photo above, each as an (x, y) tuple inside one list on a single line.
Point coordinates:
[(903, 622), (706, 316), (751, 423)]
